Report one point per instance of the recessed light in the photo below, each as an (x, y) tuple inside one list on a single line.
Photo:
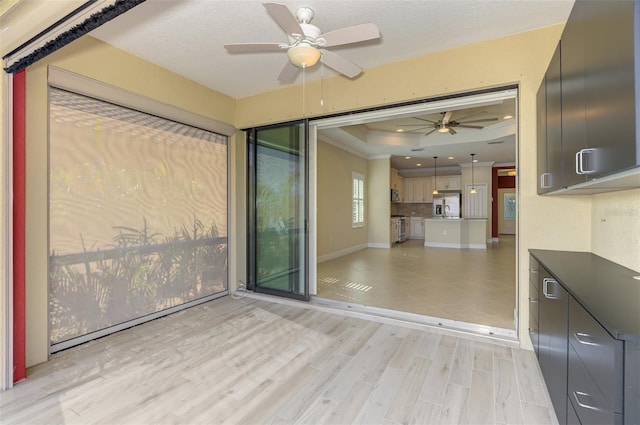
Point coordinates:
[(450, 157), (418, 165), (400, 130), (475, 160), (508, 117), (407, 157)]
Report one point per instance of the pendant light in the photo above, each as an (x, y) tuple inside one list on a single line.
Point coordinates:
[(473, 182), (435, 176)]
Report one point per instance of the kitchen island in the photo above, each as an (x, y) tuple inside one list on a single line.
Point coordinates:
[(455, 233)]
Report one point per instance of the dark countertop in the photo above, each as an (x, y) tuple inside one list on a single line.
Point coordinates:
[(605, 289)]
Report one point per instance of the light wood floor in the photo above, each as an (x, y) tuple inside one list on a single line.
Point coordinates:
[(252, 361), (467, 285)]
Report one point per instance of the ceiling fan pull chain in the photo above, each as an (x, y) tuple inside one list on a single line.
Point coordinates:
[(322, 81), (304, 74)]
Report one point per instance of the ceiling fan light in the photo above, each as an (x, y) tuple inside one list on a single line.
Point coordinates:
[(443, 130), (303, 55)]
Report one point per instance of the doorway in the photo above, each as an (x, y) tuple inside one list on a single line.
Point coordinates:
[(379, 275)]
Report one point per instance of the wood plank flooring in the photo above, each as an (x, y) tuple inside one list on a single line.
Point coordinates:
[(251, 361)]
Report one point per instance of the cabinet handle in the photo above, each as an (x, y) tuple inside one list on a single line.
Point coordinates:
[(533, 300), (533, 271), (580, 336), (545, 288), (576, 395), (543, 181), (580, 162)]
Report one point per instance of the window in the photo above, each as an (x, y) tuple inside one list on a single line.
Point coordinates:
[(357, 211)]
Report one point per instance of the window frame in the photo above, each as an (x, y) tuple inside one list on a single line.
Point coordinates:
[(359, 198)]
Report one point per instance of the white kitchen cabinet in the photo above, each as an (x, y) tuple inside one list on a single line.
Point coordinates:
[(418, 190), (397, 182), (448, 182), (417, 228)]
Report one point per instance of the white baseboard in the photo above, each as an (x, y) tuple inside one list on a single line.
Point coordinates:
[(379, 245), (336, 254), (493, 240), (455, 245)]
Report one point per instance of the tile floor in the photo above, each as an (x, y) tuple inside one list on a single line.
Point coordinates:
[(468, 285)]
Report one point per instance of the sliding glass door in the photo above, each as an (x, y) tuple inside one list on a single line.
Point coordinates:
[(278, 211)]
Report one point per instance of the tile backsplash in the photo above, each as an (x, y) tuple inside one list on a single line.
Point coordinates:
[(409, 210)]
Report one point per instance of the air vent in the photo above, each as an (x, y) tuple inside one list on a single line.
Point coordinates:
[(417, 150), (497, 142)]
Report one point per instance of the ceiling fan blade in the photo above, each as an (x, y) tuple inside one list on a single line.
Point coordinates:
[(447, 117), (416, 129), (479, 120), (283, 17), (414, 125), (424, 119), (452, 131), (255, 47), (340, 64), (426, 134), (348, 35), (470, 126), (288, 73)]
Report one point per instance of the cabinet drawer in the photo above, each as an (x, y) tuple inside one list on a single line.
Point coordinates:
[(600, 354), (587, 399)]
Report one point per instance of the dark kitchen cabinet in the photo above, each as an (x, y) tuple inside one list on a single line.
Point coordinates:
[(534, 298), (574, 136), (549, 104), (588, 336), (552, 340), (597, 116)]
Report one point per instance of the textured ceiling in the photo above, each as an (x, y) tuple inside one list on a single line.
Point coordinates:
[(187, 36)]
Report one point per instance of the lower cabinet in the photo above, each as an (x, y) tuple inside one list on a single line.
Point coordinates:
[(592, 377), (534, 301), (416, 228), (552, 340)]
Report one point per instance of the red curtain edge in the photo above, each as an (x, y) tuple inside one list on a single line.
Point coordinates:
[(19, 176)]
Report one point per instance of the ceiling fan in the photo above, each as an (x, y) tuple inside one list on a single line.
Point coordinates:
[(446, 124), (307, 44)]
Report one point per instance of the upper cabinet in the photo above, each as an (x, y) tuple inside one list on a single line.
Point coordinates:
[(549, 127), (588, 106), (448, 182), (418, 190)]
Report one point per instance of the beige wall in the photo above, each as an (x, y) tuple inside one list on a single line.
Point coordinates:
[(615, 227), (94, 59), (335, 233), (378, 205)]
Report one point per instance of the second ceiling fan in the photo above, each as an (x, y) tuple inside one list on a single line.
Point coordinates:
[(446, 124), (307, 44)]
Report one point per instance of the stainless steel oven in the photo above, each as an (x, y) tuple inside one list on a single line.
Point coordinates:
[(402, 229)]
